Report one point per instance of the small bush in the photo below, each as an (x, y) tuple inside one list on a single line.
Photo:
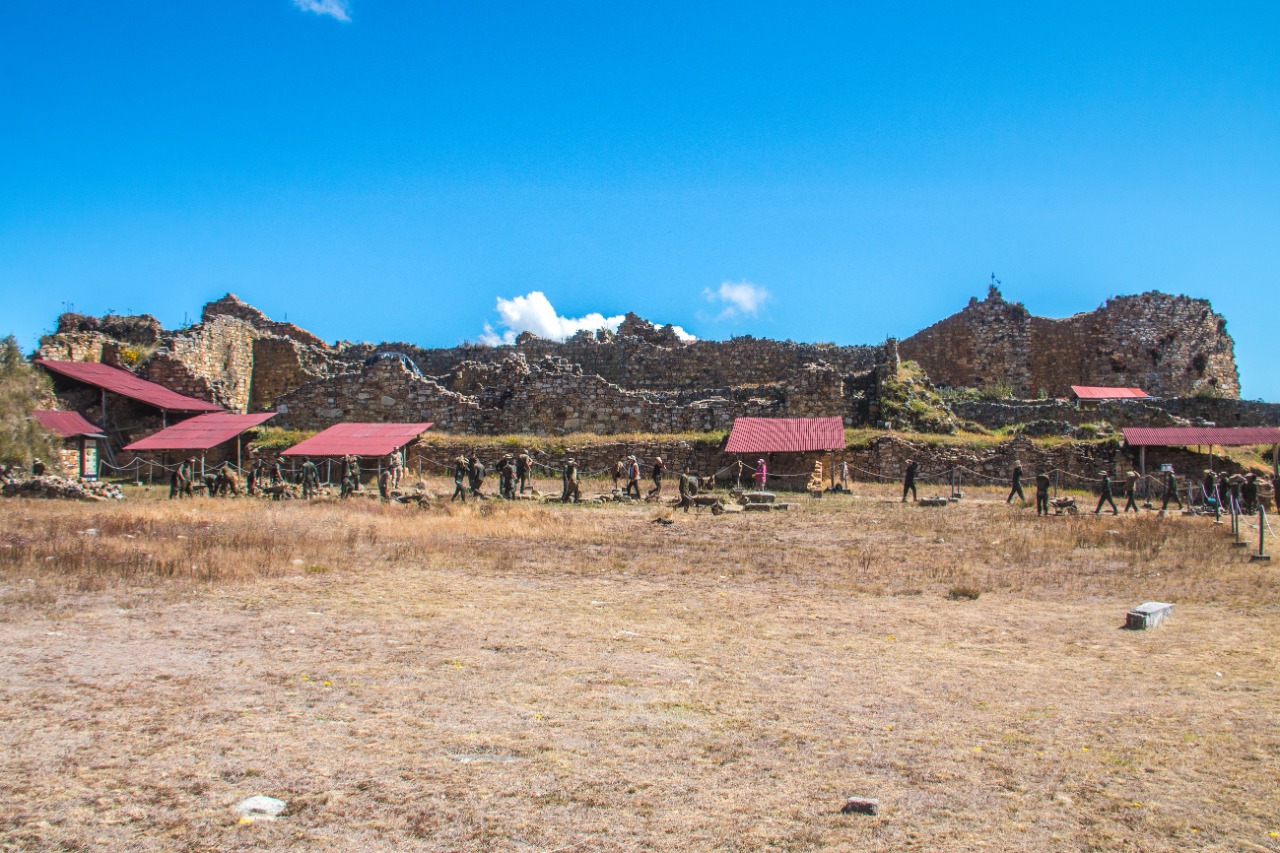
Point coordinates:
[(963, 592)]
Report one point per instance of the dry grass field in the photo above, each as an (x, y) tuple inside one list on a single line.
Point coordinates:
[(547, 678)]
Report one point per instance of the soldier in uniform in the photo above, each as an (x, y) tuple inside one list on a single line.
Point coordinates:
[(476, 480), (1249, 492), (1042, 493), (396, 465), (228, 482), (189, 477), (251, 477), (1017, 484), (1106, 494), (524, 467), (688, 488), (659, 468), (351, 471), (1131, 492), (909, 481), (1170, 490), (571, 493), (210, 481), (1209, 485), (177, 482), (737, 470), (507, 477), (310, 476), (348, 487), (277, 471), (37, 467), (461, 474)]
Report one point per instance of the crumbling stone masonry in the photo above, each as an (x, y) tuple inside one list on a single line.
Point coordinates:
[(1167, 345)]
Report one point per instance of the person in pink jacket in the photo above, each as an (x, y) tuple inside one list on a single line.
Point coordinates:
[(762, 475)]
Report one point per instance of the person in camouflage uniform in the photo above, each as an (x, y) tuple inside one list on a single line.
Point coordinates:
[(1131, 492), (1105, 496), (253, 477), (177, 482), (310, 477), (461, 474), (1170, 490), (507, 477), (228, 482), (1017, 484), (524, 468), (1249, 493), (351, 471), (571, 491), (385, 480), (277, 471), (476, 479), (1042, 493)]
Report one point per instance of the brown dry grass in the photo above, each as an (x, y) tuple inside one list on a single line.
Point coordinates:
[(578, 678)]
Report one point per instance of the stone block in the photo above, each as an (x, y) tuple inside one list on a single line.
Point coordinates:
[(860, 805), (760, 497), (1147, 615), (758, 508)]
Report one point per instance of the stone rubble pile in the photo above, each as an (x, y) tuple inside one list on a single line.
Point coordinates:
[(62, 488)]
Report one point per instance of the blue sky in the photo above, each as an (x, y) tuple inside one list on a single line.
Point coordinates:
[(391, 170)]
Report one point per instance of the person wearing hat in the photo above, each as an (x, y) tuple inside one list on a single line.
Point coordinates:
[(909, 481), (1234, 484), (1249, 492), (507, 477), (310, 476), (658, 470), (1170, 490), (476, 477), (189, 476), (37, 467), (1106, 494), (633, 477), (572, 491), (524, 467), (461, 473), (1131, 491), (761, 476), (177, 482), (1017, 484)]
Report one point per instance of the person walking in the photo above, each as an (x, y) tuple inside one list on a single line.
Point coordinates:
[(1131, 492), (476, 479), (1017, 484), (761, 475), (310, 476), (461, 474), (1106, 494), (909, 481), (688, 488), (659, 468), (1170, 489)]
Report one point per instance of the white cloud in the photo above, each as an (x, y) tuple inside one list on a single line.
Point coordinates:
[(337, 9), (738, 298), (534, 313)]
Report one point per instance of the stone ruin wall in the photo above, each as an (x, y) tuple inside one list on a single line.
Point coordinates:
[(643, 379), (1167, 345)]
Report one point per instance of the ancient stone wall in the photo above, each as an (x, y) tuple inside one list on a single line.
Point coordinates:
[(1177, 411), (210, 361), (1166, 345)]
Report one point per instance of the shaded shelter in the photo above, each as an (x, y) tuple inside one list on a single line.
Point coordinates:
[(787, 435), (203, 433), (79, 436), (1144, 437), (365, 440)]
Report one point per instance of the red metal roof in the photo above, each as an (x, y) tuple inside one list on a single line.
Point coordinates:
[(1183, 436), (358, 440), (125, 384), (785, 435), (1100, 392), (201, 432), (67, 424)]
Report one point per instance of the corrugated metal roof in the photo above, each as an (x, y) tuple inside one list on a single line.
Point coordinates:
[(1182, 436), (67, 424), (358, 440), (1100, 392), (125, 384), (201, 432), (785, 435)]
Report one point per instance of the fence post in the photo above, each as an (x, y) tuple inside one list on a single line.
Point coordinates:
[(1262, 555)]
